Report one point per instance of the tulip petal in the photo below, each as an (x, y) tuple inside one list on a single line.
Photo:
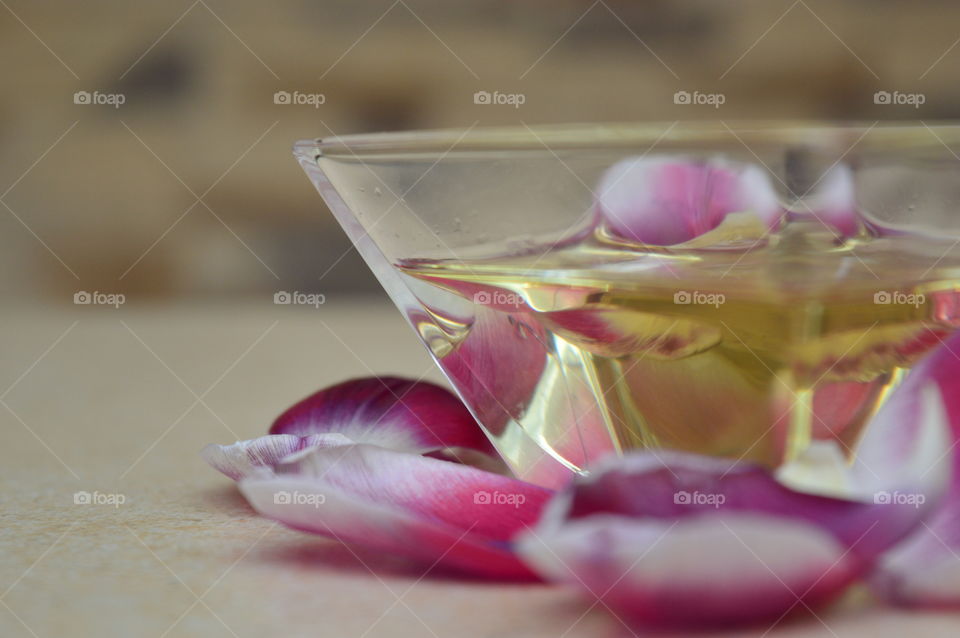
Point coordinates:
[(834, 202), (243, 458), (667, 200), (699, 571), (665, 485), (396, 413), (422, 508), (702, 508), (924, 571)]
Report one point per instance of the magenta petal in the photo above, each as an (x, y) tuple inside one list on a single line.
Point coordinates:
[(497, 340), (815, 545), (396, 413), (669, 200), (426, 509), (649, 485)]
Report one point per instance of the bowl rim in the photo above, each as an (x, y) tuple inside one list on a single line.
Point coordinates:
[(681, 134)]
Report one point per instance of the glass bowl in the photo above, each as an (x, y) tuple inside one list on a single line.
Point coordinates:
[(747, 291)]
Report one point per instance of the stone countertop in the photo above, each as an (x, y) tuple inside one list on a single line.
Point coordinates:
[(119, 401)]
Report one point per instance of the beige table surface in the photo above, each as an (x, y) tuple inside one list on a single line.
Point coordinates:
[(120, 401)]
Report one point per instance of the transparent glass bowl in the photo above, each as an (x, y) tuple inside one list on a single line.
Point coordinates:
[(748, 291)]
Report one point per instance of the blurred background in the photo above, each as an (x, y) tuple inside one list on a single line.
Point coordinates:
[(146, 145)]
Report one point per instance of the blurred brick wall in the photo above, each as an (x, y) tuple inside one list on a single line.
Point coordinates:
[(113, 205)]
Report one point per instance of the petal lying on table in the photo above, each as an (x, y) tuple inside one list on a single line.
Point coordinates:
[(402, 414), (396, 413), (703, 572), (313, 474), (924, 571), (680, 539), (244, 458), (437, 512), (671, 538)]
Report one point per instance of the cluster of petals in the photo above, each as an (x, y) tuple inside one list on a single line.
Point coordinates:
[(662, 538)]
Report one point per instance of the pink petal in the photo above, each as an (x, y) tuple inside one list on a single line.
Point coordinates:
[(670, 200), (646, 484), (495, 341), (704, 572), (425, 509), (814, 546), (925, 570), (833, 202), (907, 446), (396, 413), (552, 406)]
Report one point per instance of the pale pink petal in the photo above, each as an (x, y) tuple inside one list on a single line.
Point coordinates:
[(725, 541), (671, 200), (833, 202), (653, 485), (422, 508), (396, 413), (907, 446), (246, 457), (925, 570), (706, 571)]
